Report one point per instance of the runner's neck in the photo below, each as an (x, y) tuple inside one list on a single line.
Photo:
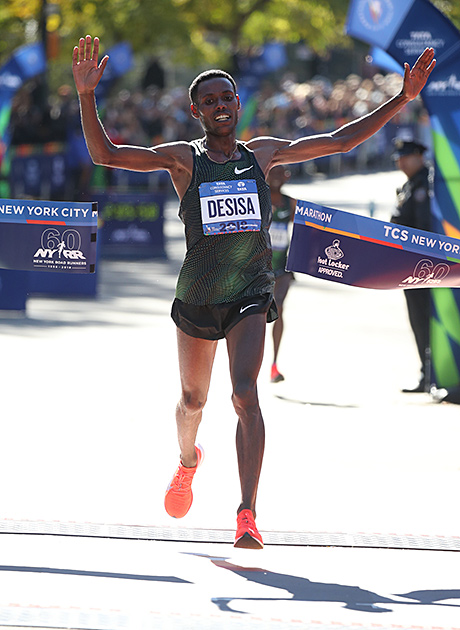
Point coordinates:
[(228, 155)]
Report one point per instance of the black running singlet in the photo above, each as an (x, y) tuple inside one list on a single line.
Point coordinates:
[(226, 212)]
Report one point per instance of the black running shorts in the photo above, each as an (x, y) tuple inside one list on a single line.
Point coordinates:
[(216, 320)]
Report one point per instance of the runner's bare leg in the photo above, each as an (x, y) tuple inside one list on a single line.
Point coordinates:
[(196, 358), (245, 345)]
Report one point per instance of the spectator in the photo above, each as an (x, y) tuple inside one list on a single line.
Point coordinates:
[(153, 114)]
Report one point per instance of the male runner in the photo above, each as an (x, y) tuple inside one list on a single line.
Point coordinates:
[(225, 286)]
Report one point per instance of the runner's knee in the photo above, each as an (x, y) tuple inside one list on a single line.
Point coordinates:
[(244, 397), (192, 402)]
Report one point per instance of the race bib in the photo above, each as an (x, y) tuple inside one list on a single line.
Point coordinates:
[(279, 234), (228, 207)]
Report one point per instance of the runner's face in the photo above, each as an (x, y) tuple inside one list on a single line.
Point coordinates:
[(217, 106)]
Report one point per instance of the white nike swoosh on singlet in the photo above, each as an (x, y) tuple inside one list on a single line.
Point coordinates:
[(243, 308), (238, 171)]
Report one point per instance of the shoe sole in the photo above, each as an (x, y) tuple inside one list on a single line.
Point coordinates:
[(248, 542)]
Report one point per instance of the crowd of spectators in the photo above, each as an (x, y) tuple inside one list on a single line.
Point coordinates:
[(293, 110), (289, 109)]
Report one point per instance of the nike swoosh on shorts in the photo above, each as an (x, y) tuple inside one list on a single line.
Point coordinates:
[(238, 171), (243, 308)]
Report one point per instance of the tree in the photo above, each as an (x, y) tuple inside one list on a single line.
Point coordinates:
[(450, 8), (194, 32), (17, 24), (237, 25)]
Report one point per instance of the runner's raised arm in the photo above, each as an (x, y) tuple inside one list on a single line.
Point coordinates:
[(174, 157), (273, 151)]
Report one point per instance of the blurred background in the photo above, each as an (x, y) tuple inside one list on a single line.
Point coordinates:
[(297, 73)]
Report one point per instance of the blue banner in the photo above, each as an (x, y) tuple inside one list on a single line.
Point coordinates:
[(131, 225), (48, 236), (404, 28), (40, 171), (121, 61), (25, 63), (364, 252)]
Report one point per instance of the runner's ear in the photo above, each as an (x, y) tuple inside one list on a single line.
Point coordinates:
[(194, 110), (239, 102)]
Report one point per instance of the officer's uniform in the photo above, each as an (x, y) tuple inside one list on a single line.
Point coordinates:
[(414, 210)]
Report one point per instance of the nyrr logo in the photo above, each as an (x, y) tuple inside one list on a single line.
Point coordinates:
[(426, 272), (375, 14), (56, 246)]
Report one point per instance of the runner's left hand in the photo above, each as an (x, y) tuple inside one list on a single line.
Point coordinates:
[(415, 78)]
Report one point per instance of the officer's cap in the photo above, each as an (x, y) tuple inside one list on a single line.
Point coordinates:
[(407, 147)]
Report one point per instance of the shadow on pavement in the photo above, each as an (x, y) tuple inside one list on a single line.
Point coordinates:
[(314, 404), (303, 589), (103, 574)]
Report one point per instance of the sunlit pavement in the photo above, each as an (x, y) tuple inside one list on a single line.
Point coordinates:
[(358, 500)]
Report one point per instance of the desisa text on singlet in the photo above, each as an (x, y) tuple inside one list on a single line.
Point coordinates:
[(229, 206)]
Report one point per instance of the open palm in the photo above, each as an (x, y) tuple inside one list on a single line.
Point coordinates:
[(416, 77), (86, 72)]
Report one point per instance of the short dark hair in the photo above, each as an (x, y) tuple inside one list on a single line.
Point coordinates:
[(205, 76)]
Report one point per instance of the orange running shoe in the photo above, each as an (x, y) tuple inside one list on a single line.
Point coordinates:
[(247, 535), (179, 495), (276, 377)]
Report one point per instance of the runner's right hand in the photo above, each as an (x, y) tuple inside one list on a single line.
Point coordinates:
[(86, 72)]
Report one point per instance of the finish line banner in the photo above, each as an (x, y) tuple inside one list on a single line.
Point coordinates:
[(363, 252), (48, 235)]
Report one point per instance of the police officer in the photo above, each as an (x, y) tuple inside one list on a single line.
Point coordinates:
[(414, 210)]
